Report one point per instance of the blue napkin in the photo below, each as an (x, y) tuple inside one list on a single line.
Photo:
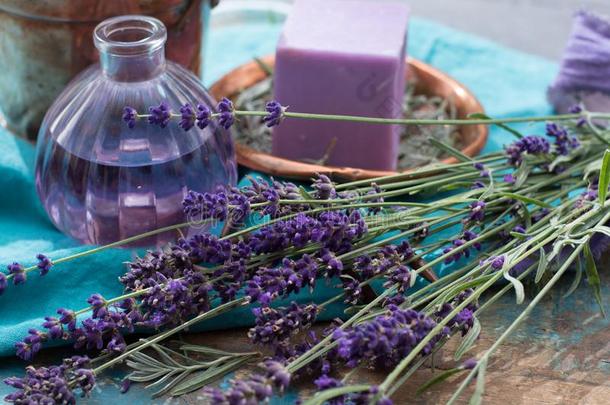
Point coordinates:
[(508, 83)]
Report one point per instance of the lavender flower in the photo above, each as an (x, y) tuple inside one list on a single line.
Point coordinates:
[(466, 237), (31, 345), (324, 187), (44, 264), (160, 115), (509, 178), (275, 326), (277, 374), (589, 195), (351, 290), (564, 143), (204, 116), (54, 327), (98, 303), (483, 172), (386, 339), (204, 206), (477, 211), (478, 184), (68, 318), (18, 273), (325, 382), (226, 111), (256, 389), (497, 262), (275, 114), (130, 115), (187, 117), (400, 277), (531, 145), (464, 320), (577, 109), (52, 385), (469, 364)]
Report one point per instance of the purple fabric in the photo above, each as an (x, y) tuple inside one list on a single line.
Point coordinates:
[(585, 68)]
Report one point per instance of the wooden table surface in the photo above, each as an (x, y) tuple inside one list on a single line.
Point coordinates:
[(560, 355)]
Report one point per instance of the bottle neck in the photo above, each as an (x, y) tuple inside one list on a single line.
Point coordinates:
[(133, 68), (131, 47)]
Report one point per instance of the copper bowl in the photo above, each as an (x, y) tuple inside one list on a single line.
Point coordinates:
[(429, 81)]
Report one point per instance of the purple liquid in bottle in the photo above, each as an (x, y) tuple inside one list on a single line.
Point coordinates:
[(100, 181)]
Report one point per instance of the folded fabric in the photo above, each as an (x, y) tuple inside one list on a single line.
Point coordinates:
[(585, 67), (507, 82)]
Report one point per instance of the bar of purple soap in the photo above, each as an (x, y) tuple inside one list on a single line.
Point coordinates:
[(342, 57)]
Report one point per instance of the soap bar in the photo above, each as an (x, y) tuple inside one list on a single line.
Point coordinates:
[(342, 57)]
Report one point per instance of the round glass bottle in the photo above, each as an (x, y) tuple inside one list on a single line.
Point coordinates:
[(100, 181)]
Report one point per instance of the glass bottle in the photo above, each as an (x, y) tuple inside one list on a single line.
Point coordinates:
[(100, 181)]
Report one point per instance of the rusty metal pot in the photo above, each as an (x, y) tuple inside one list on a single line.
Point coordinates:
[(45, 43)]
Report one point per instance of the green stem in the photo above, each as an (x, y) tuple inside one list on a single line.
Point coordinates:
[(415, 121), (163, 335)]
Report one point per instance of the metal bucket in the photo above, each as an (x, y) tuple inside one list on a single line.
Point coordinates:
[(45, 43)]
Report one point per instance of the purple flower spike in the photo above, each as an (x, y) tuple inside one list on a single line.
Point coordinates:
[(226, 110), (130, 115), (187, 117), (469, 364), (98, 303), (18, 273), (531, 145), (278, 374), (509, 178), (325, 382), (324, 187), (3, 283), (204, 115), (497, 262), (160, 115), (67, 317), (275, 114), (53, 384), (385, 401), (477, 211), (44, 264)]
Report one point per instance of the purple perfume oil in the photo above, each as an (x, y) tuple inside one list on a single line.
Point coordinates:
[(100, 181)]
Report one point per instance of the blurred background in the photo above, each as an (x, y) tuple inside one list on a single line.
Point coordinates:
[(540, 27)]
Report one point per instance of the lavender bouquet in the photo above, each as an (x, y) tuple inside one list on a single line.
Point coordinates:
[(533, 211)]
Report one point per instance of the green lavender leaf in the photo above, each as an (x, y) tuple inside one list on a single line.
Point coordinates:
[(601, 229), (491, 188), (521, 174), (481, 116), (437, 379), (593, 277), (450, 150), (207, 377), (206, 350), (305, 194), (542, 266), (527, 200), (604, 177), (469, 340), (517, 285), (477, 396)]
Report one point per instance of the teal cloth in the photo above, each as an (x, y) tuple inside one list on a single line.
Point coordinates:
[(508, 83)]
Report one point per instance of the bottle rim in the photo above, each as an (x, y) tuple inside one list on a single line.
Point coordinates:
[(129, 35)]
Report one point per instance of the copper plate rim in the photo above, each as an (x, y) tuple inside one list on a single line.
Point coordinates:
[(251, 73)]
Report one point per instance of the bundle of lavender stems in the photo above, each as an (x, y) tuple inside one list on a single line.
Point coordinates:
[(534, 210)]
